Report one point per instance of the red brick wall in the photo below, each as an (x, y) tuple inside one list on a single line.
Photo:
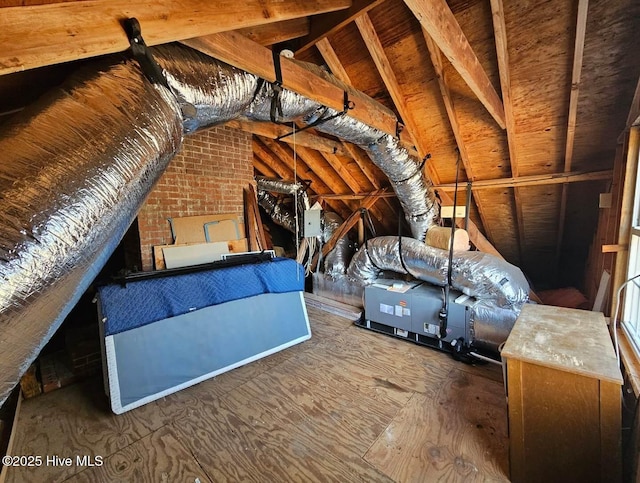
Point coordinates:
[(206, 177)]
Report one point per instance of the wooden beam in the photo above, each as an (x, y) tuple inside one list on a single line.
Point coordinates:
[(39, 35), (320, 184), (330, 57), (245, 54), (326, 24), (368, 33), (581, 29), (263, 168), (304, 138), (500, 34), (633, 119), (348, 224), (534, 180), (276, 32), (363, 161), (626, 212), (437, 61), (614, 248), (268, 158), (439, 21)]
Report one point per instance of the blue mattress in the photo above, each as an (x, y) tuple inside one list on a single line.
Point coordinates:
[(146, 301)]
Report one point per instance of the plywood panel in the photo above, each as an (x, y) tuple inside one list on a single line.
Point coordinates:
[(416, 448), (76, 421), (156, 457), (611, 66)]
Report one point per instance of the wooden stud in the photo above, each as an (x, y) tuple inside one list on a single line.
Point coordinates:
[(626, 212), (371, 40), (348, 224), (438, 20), (39, 35), (436, 60), (500, 33)]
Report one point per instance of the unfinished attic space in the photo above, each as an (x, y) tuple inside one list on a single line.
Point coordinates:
[(328, 240)]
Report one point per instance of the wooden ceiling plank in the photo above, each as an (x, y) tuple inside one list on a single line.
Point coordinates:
[(326, 24), (581, 29), (304, 138), (500, 34), (39, 35), (436, 60), (276, 32), (245, 54), (438, 20), (331, 58), (370, 37), (534, 180)]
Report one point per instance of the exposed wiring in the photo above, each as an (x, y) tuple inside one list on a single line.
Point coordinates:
[(615, 317)]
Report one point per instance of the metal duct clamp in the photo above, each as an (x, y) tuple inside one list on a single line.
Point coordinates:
[(150, 68)]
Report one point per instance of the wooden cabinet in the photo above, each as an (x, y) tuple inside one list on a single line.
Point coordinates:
[(564, 396)]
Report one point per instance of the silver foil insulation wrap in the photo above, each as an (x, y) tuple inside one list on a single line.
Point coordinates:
[(337, 260), (76, 167), (277, 211), (476, 274), (217, 91), (278, 185)]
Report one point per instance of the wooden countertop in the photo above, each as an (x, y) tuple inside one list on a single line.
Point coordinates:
[(572, 340)]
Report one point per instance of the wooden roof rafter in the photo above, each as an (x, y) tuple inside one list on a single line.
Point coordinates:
[(438, 20), (500, 34), (581, 30), (370, 37), (38, 35), (283, 156), (437, 61), (326, 24), (363, 161)]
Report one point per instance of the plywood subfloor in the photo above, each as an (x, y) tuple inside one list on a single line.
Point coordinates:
[(348, 405)]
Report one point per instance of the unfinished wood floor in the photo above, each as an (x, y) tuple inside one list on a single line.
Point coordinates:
[(347, 405)]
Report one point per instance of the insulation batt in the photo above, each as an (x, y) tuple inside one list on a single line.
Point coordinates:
[(75, 168), (440, 237)]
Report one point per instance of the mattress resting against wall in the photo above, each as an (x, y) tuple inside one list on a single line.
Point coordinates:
[(141, 302)]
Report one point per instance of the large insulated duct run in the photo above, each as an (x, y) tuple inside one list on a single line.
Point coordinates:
[(75, 169), (220, 92), (279, 214), (476, 274)]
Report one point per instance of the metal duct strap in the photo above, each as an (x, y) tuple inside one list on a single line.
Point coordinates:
[(75, 169)]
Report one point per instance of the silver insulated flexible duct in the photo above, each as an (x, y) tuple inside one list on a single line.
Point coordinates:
[(76, 167)]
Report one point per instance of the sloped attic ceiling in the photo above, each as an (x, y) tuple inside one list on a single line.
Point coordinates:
[(523, 90)]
